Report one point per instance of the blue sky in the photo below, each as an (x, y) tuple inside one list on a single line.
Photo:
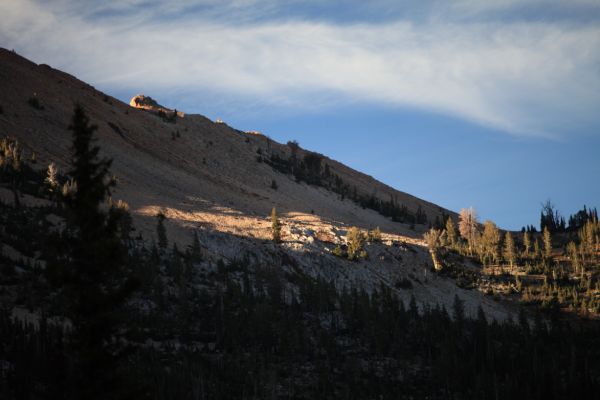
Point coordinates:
[(484, 103)]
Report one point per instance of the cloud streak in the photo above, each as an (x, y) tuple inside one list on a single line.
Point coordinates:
[(534, 78)]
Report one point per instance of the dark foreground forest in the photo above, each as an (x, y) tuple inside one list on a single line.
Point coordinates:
[(105, 314)]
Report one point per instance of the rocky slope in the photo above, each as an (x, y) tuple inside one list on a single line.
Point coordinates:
[(208, 176)]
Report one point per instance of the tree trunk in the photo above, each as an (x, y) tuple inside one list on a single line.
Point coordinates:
[(436, 262)]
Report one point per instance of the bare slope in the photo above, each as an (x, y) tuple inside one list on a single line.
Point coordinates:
[(206, 175), (194, 165)]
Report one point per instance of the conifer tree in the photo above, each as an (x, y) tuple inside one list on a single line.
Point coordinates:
[(355, 239), (588, 237), (432, 238), (490, 241), (92, 277), (509, 249), (451, 232), (275, 226), (467, 227), (573, 255), (547, 243)]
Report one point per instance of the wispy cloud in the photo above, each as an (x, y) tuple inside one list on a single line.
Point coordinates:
[(523, 77)]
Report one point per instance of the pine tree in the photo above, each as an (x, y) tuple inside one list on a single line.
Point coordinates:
[(467, 226), (509, 249), (588, 237), (573, 255), (92, 278), (547, 243), (275, 226), (451, 232), (490, 241)]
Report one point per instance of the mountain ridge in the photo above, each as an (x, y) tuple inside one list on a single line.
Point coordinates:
[(57, 91)]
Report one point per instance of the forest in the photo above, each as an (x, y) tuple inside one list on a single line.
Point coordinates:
[(111, 315)]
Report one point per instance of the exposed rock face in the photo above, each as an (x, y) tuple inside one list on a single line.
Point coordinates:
[(141, 101), (148, 103)]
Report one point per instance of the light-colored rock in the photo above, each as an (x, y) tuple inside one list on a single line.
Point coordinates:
[(148, 103)]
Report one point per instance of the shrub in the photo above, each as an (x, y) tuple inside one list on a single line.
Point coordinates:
[(356, 241), (374, 235), (339, 251)]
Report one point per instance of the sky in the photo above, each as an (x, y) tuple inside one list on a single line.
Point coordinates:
[(492, 104)]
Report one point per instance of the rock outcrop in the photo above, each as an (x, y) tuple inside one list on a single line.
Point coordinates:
[(148, 103)]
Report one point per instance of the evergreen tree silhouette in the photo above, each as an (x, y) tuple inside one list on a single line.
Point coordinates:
[(93, 280)]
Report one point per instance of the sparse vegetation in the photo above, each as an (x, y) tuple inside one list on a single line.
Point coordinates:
[(568, 279), (312, 170)]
